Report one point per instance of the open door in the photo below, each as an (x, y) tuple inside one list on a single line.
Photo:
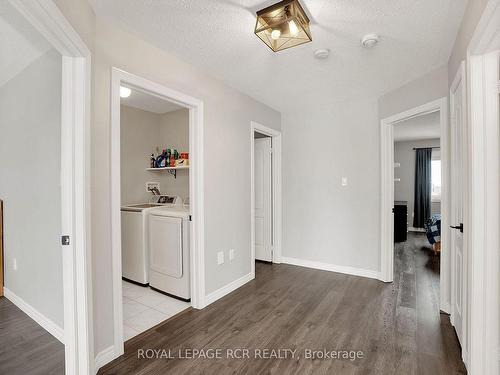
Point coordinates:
[(457, 187)]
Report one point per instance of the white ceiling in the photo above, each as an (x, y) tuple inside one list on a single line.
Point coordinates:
[(148, 102), (20, 43), (416, 37), (421, 127)]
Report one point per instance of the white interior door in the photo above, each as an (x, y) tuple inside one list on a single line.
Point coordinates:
[(457, 188), (263, 200)]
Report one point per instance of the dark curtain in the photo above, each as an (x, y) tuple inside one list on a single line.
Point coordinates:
[(423, 187)]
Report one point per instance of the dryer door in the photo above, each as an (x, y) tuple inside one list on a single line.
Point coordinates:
[(165, 245)]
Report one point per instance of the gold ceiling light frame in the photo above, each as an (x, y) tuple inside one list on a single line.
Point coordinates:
[(283, 25)]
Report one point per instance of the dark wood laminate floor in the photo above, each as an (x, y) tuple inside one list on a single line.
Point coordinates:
[(397, 326), (25, 347)]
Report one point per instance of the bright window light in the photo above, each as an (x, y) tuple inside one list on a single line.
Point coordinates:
[(436, 180)]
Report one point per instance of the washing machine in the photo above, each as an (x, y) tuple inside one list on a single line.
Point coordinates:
[(134, 235), (169, 264)]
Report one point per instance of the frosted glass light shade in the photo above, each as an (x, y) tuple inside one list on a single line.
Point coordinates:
[(283, 25)]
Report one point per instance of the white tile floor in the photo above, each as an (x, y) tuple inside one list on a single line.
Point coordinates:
[(144, 308)]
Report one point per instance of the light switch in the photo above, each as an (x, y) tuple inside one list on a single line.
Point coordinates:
[(231, 254), (220, 257), (344, 181)]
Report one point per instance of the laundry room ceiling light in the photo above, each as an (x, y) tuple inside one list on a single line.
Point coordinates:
[(125, 92), (283, 25)]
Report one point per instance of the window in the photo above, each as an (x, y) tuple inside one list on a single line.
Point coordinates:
[(436, 180)]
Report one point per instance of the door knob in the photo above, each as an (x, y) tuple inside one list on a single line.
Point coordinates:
[(460, 227)]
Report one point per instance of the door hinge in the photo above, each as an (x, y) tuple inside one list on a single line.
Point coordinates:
[(65, 240), (190, 218)]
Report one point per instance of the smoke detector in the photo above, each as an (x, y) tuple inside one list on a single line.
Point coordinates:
[(322, 53), (370, 40)]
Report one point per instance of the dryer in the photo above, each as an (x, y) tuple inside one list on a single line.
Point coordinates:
[(169, 264)]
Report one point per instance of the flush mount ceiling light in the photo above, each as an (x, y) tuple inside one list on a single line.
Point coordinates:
[(370, 40), (283, 25), (125, 92)]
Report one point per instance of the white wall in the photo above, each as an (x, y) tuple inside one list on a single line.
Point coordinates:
[(425, 89), (404, 190), (472, 14), (142, 132), (324, 221), (227, 117), (30, 166), (139, 133), (174, 132)]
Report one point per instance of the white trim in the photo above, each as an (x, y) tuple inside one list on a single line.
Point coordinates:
[(50, 326), (196, 183), (413, 229), (226, 289), (387, 193), (277, 192), (332, 267), (482, 62), (104, 357), (46, 17)]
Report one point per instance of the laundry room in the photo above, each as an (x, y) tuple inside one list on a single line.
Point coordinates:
[(154, 189)]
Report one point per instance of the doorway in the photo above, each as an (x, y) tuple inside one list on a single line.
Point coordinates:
[(266, 214), (60, 153), (388, 167), (145, 197), (154, 167)]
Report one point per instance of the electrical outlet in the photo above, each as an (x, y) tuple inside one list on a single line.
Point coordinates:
[(14, 264), (152, 185), (220, 257), (344, 181), (231, 254)]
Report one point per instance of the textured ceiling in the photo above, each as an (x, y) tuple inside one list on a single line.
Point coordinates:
[(421, 127), (149, 103), (20, 43), (217, 36)]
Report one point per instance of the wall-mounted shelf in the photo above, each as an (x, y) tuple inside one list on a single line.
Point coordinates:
[(170, 170)]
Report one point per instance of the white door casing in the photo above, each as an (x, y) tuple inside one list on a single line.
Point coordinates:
[(196, 194), (47, 18), (387, 193), (457, 190), (263, 199)]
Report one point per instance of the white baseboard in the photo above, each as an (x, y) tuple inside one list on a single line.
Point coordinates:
[(47, 324), (331, 267), (413, 229), (446, 308), (104, 357), (225, 290), (466, 359)]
